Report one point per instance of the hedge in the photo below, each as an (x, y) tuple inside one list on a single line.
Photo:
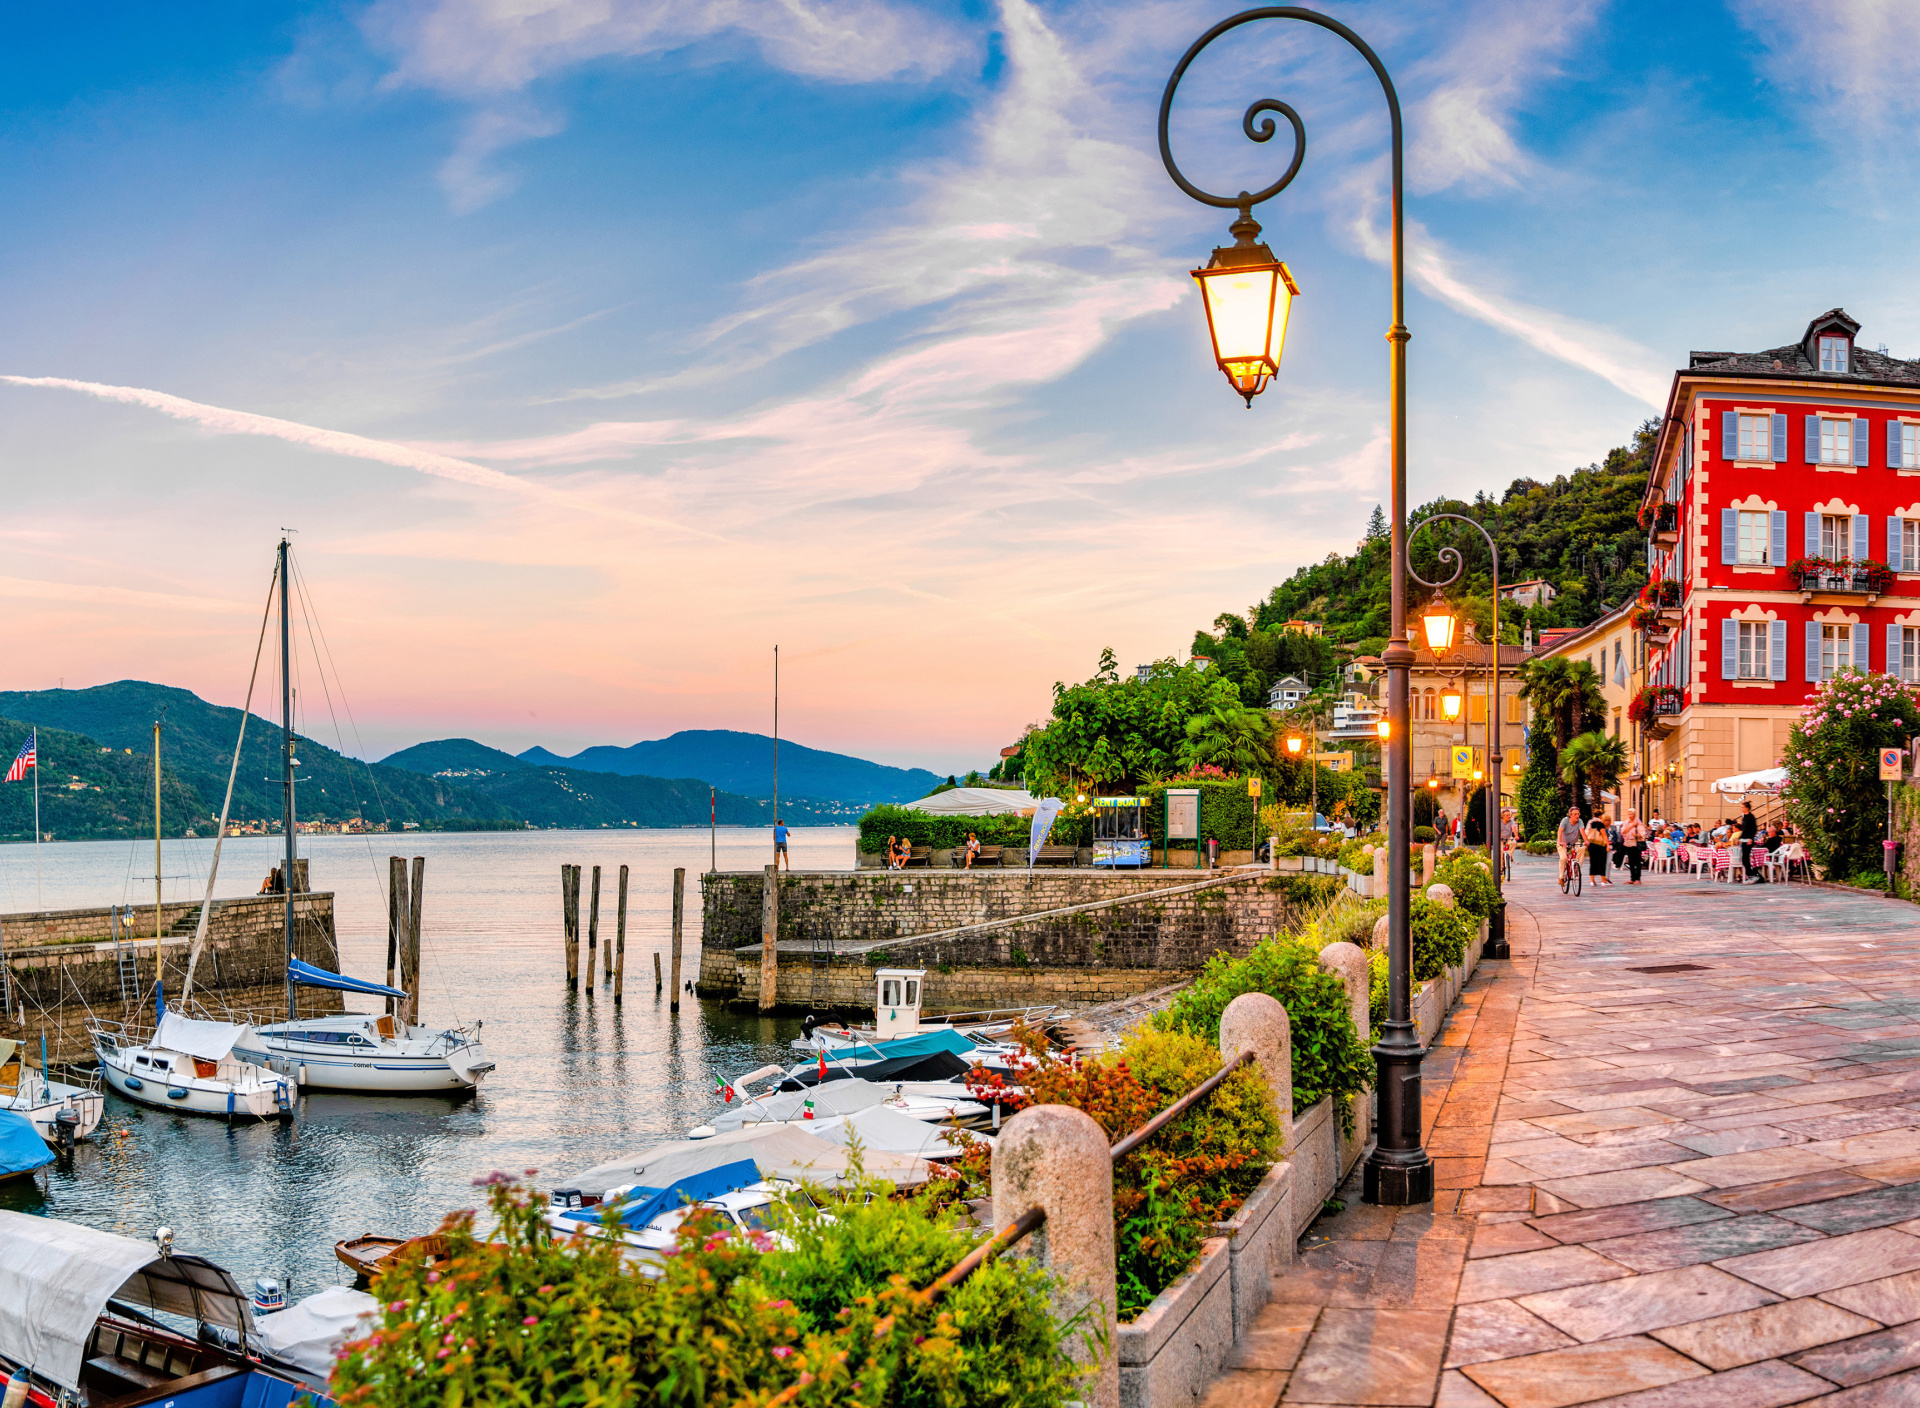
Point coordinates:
[(1227, 813), (1467, 875)]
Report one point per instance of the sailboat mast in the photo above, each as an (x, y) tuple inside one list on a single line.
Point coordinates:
[(156, 845), (286, 763)]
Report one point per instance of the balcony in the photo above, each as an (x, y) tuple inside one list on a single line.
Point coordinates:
[(1844, 578), (1665, 529)]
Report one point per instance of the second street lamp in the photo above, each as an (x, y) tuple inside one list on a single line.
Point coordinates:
[(1398, 1170)]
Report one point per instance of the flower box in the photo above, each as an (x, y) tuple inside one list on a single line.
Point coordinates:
[(1259, 1243), (1170, 1354)]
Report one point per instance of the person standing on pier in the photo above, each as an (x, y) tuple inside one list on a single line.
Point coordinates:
[(780, 843)]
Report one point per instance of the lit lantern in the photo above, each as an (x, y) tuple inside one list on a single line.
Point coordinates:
[(1384, 728), (1450, 701), (1295, 743), (1247, 293), (1477, 774), (1438, 621), (1434, 783)]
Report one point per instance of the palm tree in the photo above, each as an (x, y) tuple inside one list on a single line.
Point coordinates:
[(1596, 760), (1229, 735), (1563, 691)]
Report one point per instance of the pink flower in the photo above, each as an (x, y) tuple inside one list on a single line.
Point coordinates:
[(432, 1276), (782, 1351), (531, 1320), (443, 1354)]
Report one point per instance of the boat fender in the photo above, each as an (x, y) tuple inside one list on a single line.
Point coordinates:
[(702, 1131), (16, 1391), (176, 1093), (135, 1083)]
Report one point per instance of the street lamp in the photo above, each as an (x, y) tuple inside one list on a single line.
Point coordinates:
[(1398, 1170), (1438, 621), (1497, 925), (1450, 700), (1247, 294), (1293, 744)]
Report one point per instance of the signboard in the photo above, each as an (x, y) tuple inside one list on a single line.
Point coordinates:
[(1462, 761), (1183, 814), (1253, 787), (1890, 764)]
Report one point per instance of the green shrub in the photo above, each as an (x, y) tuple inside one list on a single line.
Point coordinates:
[(1304, 891), (1354, 855), (1870, 880), (1439, 937), (526, 1318), (1329, 1057), (1424, 834), (1350, 923), (1541, 848), (1226, 811), (1376, 991), (1471, 881)]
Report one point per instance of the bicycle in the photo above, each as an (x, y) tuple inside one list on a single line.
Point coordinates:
[(1570, 875), (1506, 865)]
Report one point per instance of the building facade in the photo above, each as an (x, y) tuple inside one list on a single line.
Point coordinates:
[(1617, 651), (1783, 502), (1435, 736)]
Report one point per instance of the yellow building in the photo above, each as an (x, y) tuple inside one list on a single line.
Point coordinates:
[(1618, 654)]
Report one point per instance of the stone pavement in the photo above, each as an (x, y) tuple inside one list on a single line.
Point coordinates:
[(1678, 1148)]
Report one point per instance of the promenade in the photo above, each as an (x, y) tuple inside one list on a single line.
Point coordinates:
[(1678, 1148)]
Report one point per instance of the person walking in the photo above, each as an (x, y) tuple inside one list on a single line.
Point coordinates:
[(780, 843), (1597, 852), (1749, 829), (1633, 837)]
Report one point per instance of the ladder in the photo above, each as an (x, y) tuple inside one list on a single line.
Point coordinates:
[(820, 959), (124, 952)]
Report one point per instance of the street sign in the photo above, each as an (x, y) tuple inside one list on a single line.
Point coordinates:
[(1890, 764), (1253, 787), (1462, 760)]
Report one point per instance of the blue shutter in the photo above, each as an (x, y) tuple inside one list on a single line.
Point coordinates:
[(1860, 441), (1729, 650), (1893, 444), (1862, 653), (1893, 650), (1813, 439), (1860, 544), (1729, 536), (1810, 547), (1777, 650), (1779, 556), (1893, 543), (1729, 436), (1780, 438), (1813, 652)]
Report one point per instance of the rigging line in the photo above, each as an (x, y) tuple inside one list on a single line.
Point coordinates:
[(220, 837), (326, 648), (310, 619)]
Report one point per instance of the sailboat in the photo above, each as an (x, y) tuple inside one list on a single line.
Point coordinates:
[(59, 1112)]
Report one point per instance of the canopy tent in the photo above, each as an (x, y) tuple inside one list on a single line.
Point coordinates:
[(57, 1277), (1768, 780), (975, 801), (210, 1041), (777, 1150), (309, 1334), (309, 976), (22, 1150)]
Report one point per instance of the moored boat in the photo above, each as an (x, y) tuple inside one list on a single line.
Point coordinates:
[(373, 1252), (23, 1152), (190, 1066), (60, 1111)]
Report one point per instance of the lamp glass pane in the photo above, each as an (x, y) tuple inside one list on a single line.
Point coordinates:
[(1439, 628), (1240, 303)]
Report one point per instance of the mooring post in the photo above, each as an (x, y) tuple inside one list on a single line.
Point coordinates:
[(769, 937), (656, 973), (679, 907), (593, 928), (397, 911), (570, 922), (415, 896), (620, 939)]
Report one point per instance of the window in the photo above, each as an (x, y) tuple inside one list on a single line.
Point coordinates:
[(1476, 708), (1907, 666), (1756, 438), (1910, 542), (1836, 441), (1756, 539), (1836, 649), (1833, 354), (1904, 440), (1836, 536), (1516, 709), (890, 992), (1753, 650)]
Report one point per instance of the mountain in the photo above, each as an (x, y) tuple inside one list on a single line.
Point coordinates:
[(457, 758), (743, 763), (90, 792), (196, 748)]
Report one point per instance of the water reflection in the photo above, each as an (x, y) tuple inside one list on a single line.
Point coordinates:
[(579, 1080)]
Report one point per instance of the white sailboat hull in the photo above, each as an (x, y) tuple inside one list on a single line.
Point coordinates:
[(43, 1108), (251, 1093), (439, 1063)]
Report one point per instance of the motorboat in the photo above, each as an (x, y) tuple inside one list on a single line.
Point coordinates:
[(22, 1151), (368, 1054), (899, 1029), (79, 1323), (60, 1111), (192, 1066)]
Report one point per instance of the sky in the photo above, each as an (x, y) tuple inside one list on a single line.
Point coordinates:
[(595, 348)]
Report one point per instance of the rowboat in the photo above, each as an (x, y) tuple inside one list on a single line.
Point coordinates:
[(373, 1252)]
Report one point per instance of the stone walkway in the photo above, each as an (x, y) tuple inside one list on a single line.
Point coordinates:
[(1678, 1143)]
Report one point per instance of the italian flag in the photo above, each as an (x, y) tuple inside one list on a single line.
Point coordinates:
[(723, 1090)]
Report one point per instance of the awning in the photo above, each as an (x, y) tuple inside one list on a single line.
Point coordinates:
[(1768, 780), (210, 1041), (309, 976), (975, 801), (57, 1277)]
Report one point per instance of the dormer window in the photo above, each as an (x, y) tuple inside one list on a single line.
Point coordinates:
[(1833, 354)]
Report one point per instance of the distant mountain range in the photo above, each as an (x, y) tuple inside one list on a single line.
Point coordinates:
[(743, 762)]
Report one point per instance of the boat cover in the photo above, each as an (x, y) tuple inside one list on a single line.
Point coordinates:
[(778, 1151), (210, 1041), (881, 1127), (22, 1150), (919, 1044), (643, 1204), (938, 1065), (307, 1334), (841, 1097), (57, 1277), (309, 976)]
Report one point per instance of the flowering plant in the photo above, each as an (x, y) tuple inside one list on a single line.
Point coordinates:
[(1645, 618), (1653, 700), (1662, 593), (1833, 790)]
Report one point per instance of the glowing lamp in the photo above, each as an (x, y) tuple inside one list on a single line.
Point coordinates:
[(1247, 294), (1438, 622), (1434, 783), (1294, 743), (1450, 701), (1081, 798), (1477, 774), (1384, 728)]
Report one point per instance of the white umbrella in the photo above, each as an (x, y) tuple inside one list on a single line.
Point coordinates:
[(1769, 780), (975, 801)]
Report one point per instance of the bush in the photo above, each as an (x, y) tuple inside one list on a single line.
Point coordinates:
[(1439, 938), (1471, 881), (1354, 855), (1424, 834), (527, 1318), (1351, 923), (1834, 793), (1376, 992), (1226, 811), (1541, 848)]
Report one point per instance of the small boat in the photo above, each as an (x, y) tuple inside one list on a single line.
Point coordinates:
[(190, 1066), (23, 1152), (79, 1326), (898, 995), (373, 1252), (60, 1111)]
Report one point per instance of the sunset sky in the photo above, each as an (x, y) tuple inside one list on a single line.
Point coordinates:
[(593, 347)]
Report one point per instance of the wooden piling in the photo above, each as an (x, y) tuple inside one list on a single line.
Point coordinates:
[(593, 928), (398, 911), (769, 937), (657, 980), (679, 907), (570, 922), (620, 939), (416, 897)]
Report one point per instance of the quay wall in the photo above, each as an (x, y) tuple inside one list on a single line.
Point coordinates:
[(1138, 939), (63, 967)]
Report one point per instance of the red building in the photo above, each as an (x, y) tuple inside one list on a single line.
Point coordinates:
[(1783, 506)]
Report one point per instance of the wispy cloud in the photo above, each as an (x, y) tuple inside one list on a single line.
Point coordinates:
[(91, 594), (1859, 62)]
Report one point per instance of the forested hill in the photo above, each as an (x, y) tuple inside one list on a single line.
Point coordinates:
[(1578, 531)]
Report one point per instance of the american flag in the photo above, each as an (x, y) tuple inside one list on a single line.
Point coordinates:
[(27, 759)]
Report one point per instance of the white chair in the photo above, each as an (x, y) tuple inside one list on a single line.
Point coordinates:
[(1776, 863), (1699, 859)]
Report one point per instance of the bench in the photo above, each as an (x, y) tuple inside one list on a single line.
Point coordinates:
[(1057, 855), (922, 856), (989, 855)]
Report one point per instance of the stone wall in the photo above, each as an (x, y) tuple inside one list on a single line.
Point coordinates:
[(63, 967)]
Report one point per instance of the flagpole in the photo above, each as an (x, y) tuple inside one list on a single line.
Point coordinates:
[(39, 900)]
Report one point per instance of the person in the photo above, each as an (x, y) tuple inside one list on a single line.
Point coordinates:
[(1597, 852), (1633, 839), (1213, 853), (893, 853), (973, 848), (1617, 843), (1749, 828), (1509, 832), (1568, 838), (780, 843)]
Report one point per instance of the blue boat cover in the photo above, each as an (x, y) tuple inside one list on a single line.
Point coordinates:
[(22, 1150), (309, 976), (920, 1044), (643, 1205)]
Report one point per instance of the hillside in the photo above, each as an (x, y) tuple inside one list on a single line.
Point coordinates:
[(90, 792), (743, 763), (196, 747), (456, 758)]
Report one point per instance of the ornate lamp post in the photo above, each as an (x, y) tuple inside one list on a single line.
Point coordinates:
[(1443, 631), (1398, 1171)]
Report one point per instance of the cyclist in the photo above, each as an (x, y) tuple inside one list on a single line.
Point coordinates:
[(1509, 837), (1570, 840)]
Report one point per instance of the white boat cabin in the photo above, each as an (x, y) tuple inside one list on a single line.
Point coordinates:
[(896, 1005)]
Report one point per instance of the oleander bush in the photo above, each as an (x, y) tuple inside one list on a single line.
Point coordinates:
[(525, 1318)]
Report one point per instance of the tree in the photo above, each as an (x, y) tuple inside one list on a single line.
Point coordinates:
[(1117, 735), (1229, 735), (1539, 797), (1595, 759), (1473, 827), (1377, 530), (1834, 793)]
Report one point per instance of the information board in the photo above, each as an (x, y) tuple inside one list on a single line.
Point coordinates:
[(1183, 815)]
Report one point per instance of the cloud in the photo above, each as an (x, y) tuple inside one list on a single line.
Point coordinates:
[(465, 176), (32, 589), (1859, 62)]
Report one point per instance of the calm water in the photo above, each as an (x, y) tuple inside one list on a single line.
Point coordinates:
[(578, 1082)]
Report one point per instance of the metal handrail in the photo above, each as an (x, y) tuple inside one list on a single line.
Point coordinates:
[(1180, 1107)]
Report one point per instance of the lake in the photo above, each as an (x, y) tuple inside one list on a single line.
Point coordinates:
[(578, 1082)]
